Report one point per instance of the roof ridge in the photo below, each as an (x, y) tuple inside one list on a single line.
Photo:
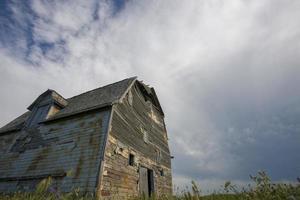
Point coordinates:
[(134, 77)]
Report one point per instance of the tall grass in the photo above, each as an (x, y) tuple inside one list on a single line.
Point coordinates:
[(261, 189)]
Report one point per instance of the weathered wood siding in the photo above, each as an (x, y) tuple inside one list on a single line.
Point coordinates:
[(130, 120), (69, 149)]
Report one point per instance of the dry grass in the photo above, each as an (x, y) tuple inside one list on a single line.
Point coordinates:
[(263, 189)]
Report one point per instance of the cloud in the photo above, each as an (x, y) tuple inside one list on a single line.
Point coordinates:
[(227, 73)]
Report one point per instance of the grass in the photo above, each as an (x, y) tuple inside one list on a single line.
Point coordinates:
[(262, 189)]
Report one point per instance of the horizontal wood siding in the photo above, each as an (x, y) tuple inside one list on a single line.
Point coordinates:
[(121, 181), (129, 122), (69, 150)]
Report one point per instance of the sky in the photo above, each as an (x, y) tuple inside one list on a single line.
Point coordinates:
[(227, 73)]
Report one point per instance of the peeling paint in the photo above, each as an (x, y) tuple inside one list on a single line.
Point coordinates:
[(36, 160), (52, 147)]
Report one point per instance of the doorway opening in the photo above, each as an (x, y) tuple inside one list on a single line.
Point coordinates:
[(146, 182)]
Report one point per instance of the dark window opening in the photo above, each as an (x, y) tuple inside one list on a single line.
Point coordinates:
[(39, 115), (131, 159), (150, 182), (162, 173)]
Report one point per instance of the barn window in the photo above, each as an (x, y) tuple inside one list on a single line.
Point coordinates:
[(162, 173), (39, 115), (131, 159)]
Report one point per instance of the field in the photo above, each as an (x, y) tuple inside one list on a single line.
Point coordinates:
[(262, 189)]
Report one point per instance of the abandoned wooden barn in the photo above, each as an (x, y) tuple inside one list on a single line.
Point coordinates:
[(111, 141)]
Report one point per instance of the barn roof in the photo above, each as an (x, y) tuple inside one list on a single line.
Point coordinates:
[(94, 99), (16, 124)]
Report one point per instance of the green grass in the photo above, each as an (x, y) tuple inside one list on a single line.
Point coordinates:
[(262, 189)]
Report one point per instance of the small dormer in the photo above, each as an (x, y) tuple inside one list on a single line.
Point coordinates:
[(45, 106)]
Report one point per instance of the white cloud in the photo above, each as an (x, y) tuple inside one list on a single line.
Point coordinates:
[(221, 69)]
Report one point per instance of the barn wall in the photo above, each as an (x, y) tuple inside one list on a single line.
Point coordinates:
[(6, 140), (130, 120), (69, 150)]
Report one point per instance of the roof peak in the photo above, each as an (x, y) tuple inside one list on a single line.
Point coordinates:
[(133, 78), (94, 99), (54, 95)]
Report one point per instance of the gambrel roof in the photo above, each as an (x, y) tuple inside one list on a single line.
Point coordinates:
[(94, 99)]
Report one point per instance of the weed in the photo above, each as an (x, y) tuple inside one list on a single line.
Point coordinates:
[(263, 189)]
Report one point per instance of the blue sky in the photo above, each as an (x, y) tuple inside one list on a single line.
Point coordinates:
[(227, 73)]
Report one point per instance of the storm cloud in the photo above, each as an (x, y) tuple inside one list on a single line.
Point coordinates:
[(227, 73)]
